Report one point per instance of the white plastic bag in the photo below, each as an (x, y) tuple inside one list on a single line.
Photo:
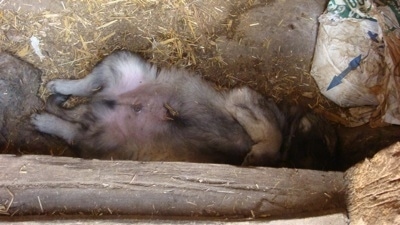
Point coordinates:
[(352, 64)]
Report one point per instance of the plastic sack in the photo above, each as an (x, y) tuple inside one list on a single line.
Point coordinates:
[(357, 56)]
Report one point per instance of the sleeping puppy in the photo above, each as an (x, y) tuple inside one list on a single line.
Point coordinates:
[(139, 112)]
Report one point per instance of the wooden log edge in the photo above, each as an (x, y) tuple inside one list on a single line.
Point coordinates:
[(57, 186), (373, 188)]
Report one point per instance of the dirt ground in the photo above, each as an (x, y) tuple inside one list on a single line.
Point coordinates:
[(265, 44)]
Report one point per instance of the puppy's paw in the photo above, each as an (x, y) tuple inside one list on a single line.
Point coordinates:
[(262, 154), (43, 122), (54, 86), (57, 99)]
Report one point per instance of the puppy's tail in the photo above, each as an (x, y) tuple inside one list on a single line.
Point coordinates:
[(309, 141)]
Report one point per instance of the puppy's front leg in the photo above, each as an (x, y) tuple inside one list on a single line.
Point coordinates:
[(120, 72), (83, 87), (51, 124)]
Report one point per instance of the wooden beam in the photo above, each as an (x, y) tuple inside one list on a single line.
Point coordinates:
[(45, 185), (373, 188), (331, 219)]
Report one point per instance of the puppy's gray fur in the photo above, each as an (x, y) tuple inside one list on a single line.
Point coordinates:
[(140, 113)]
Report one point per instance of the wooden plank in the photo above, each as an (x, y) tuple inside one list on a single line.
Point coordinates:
[(373, 188), (45, 185), (331, 219)]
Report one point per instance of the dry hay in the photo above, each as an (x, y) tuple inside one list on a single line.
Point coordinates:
[(75, 34)]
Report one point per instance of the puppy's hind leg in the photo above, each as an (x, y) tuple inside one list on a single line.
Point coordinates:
[(260, 118)]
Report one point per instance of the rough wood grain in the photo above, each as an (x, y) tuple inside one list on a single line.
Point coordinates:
[(45, 185), (330, 219), (373, 189)]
